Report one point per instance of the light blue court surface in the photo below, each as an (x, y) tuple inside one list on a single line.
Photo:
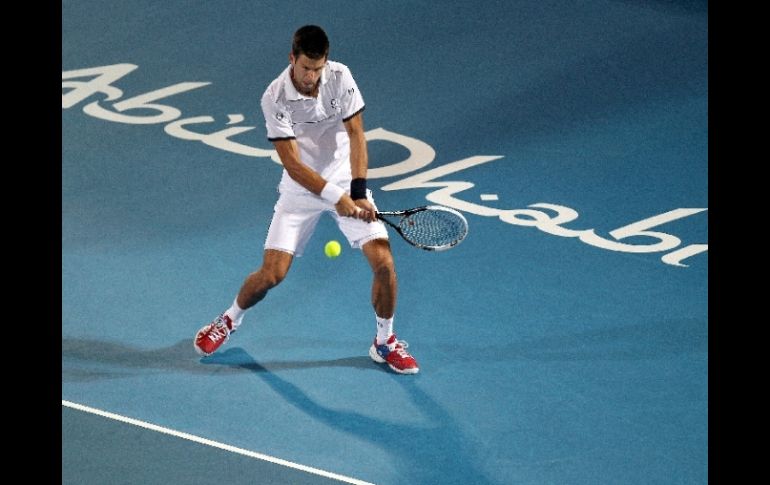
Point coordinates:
[(564, 342)]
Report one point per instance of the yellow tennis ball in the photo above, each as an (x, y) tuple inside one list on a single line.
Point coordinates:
[(332, 249)]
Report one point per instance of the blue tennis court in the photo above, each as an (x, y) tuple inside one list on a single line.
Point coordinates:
[(564, 341)]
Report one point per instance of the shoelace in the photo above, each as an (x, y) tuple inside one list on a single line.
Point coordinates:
[(400, 349), (218, 331)]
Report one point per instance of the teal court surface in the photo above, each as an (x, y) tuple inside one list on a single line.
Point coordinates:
[(565, 341)]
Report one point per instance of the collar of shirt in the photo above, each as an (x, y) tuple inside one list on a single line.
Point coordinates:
[(292, 93)]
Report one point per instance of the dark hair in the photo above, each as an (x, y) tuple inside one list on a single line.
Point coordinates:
[(310, 40)]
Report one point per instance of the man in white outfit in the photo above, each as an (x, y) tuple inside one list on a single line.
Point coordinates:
[(313, 113)]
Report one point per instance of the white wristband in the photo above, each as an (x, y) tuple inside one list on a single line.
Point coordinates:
[(332, 193)]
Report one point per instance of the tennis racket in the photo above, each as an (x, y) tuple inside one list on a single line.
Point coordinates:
[(432, 227)]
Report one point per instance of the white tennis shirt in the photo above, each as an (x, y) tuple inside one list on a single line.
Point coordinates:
[(316, 123)]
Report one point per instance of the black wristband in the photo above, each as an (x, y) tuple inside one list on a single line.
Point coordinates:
[(358, 188)]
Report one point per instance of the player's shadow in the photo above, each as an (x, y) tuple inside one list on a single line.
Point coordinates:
[(439, 443), (89, 359), (437, 449)]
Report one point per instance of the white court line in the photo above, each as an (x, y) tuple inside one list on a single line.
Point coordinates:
[(215, 444)]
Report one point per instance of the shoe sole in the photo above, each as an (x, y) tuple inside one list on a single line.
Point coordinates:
[(376, 357)]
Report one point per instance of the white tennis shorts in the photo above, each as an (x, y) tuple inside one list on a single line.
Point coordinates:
[(295, 217)]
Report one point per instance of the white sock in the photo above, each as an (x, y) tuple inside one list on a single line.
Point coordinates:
[(236, 313), (384, 329)]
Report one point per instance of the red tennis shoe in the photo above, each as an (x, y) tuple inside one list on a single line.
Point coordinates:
[(212, 336), (393, 352)]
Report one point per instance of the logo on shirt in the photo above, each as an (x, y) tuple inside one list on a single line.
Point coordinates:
[(280, 116), (351, 91), (335, 103)]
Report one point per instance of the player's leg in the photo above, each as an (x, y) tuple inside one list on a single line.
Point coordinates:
[(372, 239), (384, 283), (294, 220), (275, 266), (386, 346)]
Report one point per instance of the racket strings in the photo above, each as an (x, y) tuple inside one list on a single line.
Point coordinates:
[(433, 228)]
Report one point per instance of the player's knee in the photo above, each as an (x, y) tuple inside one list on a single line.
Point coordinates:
[(275, 278), (271, 277), (384, 269)]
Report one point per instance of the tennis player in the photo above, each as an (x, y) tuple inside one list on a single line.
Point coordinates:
[(314, 116)]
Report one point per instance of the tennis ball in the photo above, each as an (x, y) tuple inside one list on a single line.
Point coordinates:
[(332, 249)]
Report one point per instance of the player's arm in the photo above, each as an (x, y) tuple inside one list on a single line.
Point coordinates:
[(359, 164), (288, 152)]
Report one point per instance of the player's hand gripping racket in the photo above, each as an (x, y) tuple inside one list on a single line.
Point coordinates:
[(432, 227)]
